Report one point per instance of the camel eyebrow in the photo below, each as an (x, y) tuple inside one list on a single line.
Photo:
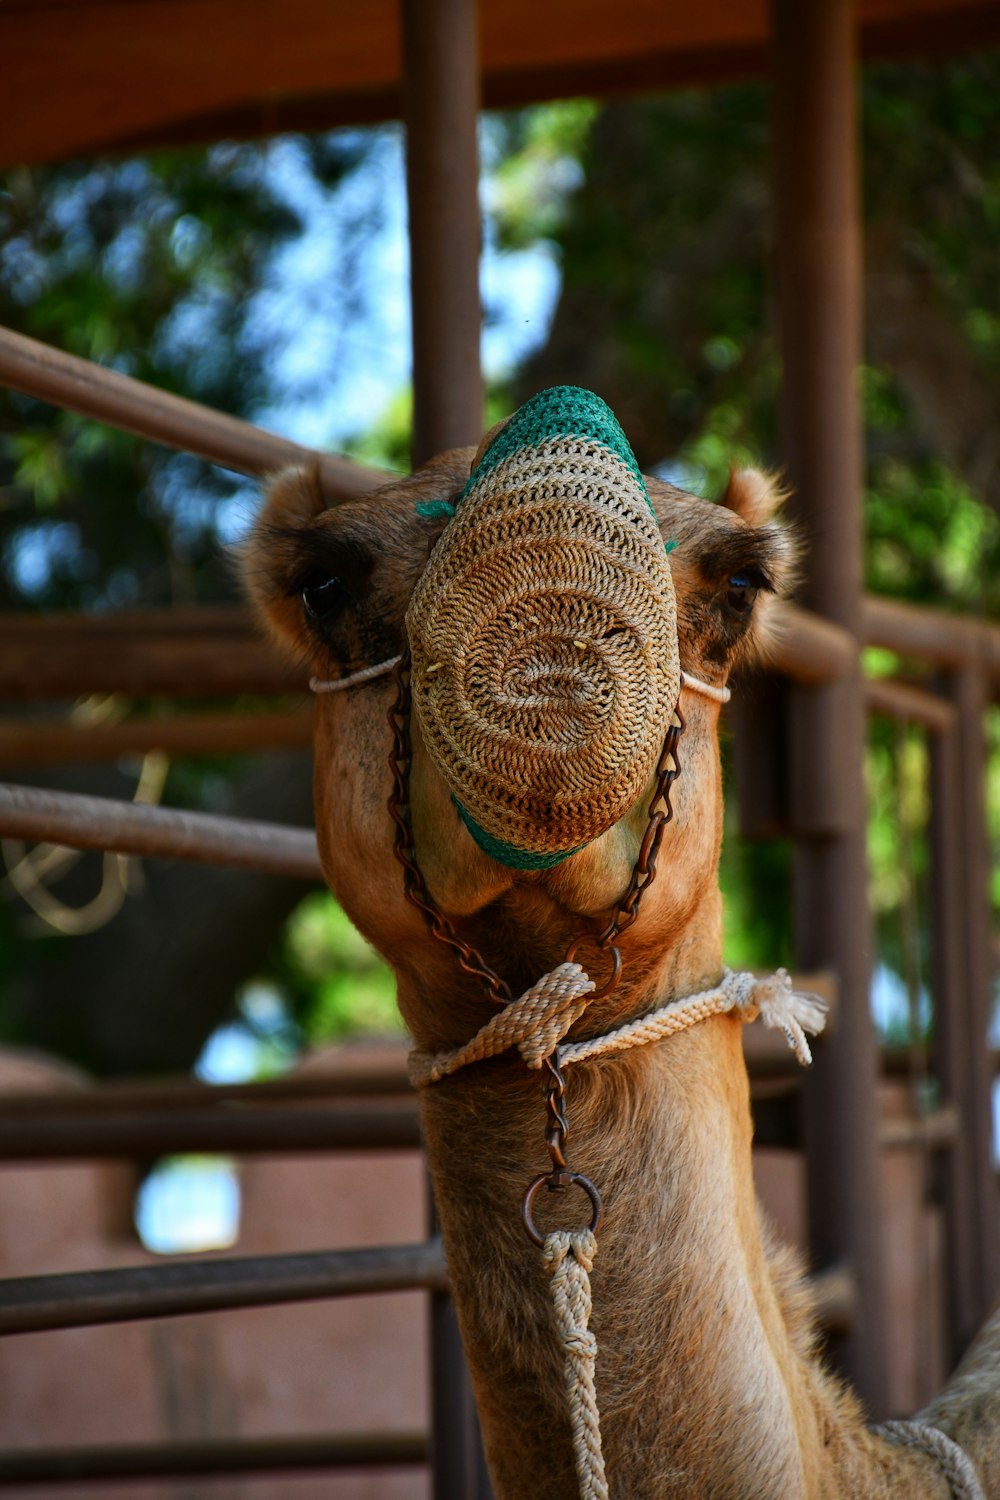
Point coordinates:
[(750, 556), (312, 550)]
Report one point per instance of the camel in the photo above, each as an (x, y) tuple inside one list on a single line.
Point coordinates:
[(708, 1378)]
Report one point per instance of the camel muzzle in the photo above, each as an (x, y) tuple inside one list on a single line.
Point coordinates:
[(543, 635)]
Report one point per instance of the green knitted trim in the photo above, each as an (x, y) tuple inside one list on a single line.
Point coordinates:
[(563, 411), (669, 546), (507, 854), (436, 510)]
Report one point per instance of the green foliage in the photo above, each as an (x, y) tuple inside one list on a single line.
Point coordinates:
[(333, 981), (666, 310), (150, 267), (658, 213), (534, 157)]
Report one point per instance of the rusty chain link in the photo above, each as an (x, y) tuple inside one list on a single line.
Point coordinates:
[(416, 891), (472, 962)]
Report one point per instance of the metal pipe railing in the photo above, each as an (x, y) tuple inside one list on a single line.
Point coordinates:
[(38, 370), (31, 1304), (211, 1459), (73, 1136), (80, 822)]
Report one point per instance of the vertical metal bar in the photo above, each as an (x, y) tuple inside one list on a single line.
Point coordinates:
[(963, 996), (441, 104), (818, 258)]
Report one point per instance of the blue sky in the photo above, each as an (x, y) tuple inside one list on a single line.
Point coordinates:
[(347, 364)]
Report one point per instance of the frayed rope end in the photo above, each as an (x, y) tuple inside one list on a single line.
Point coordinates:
[(791, 1011)]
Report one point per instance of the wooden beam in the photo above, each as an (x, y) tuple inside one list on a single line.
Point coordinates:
[(78, 1299), (218, 651), (441, 105), (214, 653), (305, 65)]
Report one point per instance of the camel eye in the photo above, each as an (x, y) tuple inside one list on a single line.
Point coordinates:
[(322, 596), (741, 592)]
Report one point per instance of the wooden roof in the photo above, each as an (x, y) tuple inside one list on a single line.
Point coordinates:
[(84, 77)]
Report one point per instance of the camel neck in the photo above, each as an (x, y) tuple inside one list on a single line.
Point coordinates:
[(665, 1133)]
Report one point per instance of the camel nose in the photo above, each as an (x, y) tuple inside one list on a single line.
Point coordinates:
[(543, 635)]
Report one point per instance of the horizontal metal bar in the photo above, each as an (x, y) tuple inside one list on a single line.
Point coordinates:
[(30, 1304), (47, 743), (138, 1461), (808, 648), (113, 1098), (205, 651), (38, 370), (901, 700), (937, 1131), (218, 651), (258, 1130), (158, 832), (949, 641)]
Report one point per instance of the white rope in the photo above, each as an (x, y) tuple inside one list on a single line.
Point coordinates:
[(568, 1257), (954, 1462), (537, 1022), (706, 689), (367, 674)]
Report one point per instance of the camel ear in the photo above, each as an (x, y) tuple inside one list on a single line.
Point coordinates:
[(271, 553), (754, 495), (757, 497)]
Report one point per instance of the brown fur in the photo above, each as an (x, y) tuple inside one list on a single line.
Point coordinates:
[(707, 1378)]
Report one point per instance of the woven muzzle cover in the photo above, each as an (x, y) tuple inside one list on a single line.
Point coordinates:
[(543, 635)]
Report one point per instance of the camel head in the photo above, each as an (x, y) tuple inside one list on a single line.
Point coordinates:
[(427, 564)]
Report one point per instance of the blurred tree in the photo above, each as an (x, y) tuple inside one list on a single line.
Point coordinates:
[(666, 310), (156, 267), (657, 213)]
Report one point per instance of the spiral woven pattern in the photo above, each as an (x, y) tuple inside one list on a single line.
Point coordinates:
[(543, 634)]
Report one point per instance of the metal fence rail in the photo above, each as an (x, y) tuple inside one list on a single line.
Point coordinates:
[(29, 1304), (205, 1460), (162, 832), (38, 370)]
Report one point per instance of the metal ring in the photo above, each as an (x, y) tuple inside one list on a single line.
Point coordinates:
[(616, 970), (572, 1179)]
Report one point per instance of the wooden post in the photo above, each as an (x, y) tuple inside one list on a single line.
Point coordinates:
[(818, 261), (441, 105), (963, 982)]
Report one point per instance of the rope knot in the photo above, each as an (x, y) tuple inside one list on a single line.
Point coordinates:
[(779, 1007), (535, 1024)]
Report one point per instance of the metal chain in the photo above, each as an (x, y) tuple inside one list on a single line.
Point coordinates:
[(416, 891), (472, 962)]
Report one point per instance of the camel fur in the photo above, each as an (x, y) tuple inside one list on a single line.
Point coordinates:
[(708, 1378)]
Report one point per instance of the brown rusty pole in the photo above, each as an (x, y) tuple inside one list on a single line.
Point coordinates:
[(818, 260), (441, 104), (441, 110), (963, 993)]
